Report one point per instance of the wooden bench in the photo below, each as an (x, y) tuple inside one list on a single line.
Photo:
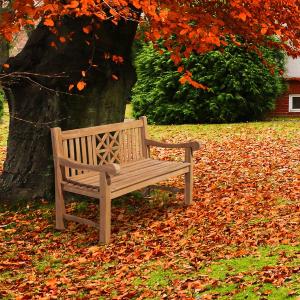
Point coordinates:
[(109, 161)]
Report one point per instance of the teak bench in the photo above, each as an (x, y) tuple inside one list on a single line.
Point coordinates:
[(108, 161)]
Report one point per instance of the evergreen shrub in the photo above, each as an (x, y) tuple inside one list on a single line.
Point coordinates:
[(241, 87)]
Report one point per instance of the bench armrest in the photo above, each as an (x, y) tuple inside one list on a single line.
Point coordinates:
[(194, 145), (111, 169)]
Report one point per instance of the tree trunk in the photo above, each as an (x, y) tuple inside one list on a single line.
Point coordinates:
[(34, 106)]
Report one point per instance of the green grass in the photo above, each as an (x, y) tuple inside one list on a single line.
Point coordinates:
[(221, 269), (159, 278), (128, 112), (48, 261), (4, 121), (288, 127), (223, 131), (247, 268)]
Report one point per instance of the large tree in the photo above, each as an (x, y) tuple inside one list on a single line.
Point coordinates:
[(76, 68)]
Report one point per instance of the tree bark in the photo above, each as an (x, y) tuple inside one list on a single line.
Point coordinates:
[(28, 170)]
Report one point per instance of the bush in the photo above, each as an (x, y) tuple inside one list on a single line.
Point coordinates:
[(241, 87)]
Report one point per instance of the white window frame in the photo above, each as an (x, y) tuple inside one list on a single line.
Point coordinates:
[(291, 109)]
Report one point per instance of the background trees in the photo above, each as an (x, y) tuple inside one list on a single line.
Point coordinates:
[(240, 86)]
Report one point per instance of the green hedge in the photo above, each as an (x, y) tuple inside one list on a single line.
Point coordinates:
[(242, 88)]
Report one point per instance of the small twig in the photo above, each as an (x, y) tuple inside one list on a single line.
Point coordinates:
[(47, 88), (25, 75), (20, 74), (37, 124)]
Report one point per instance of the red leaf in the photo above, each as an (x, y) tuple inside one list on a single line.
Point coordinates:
[(87, 29), (81, 85), (49, 22)]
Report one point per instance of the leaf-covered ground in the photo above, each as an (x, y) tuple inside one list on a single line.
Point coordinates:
[(240, 239)]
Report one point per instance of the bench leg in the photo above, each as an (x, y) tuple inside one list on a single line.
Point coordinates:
[(105, 211), (188, 189), (105, 220), (59, 208), (188, 178)]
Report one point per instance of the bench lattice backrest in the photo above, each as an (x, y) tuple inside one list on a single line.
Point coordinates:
[(120, 143)]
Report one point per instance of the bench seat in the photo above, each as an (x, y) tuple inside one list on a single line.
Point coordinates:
[(132, 176)]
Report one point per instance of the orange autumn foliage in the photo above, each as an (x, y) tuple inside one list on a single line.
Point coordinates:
[(195, 26)]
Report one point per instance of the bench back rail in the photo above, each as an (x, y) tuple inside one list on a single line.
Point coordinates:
[(119, 143)]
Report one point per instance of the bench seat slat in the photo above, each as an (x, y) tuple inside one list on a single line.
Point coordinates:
[(94, 193), (129, 173), (149, 181), (143, 174), (85, 178)]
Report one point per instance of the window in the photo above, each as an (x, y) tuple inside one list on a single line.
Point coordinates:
[(294, 103)]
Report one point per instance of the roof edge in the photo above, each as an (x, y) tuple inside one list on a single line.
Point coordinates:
[(292, 78)]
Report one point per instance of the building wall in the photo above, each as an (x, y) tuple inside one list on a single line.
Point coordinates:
[(292, 67), (282, 103)]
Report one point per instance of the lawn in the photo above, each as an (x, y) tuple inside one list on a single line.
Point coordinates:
[(239, 240), (3, 135)]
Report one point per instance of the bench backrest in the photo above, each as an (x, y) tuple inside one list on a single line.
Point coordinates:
[(120, 143)]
